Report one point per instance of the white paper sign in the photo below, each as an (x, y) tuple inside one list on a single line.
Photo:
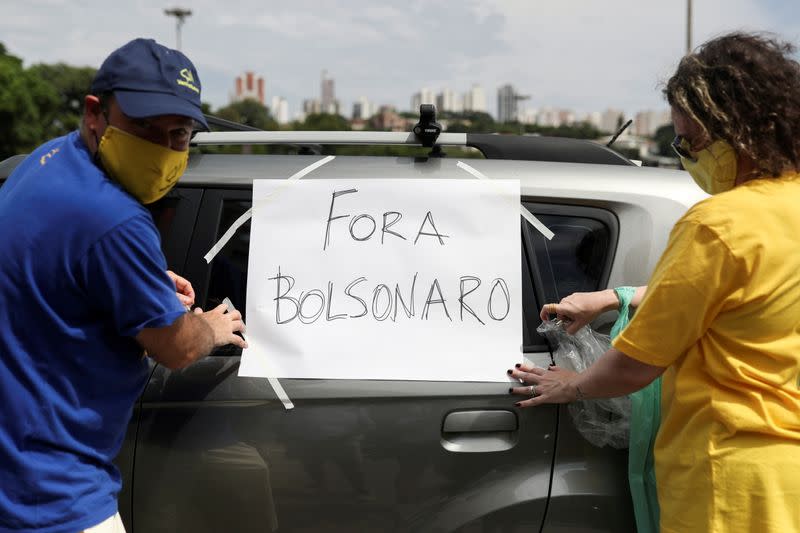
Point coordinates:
[(384, 279)]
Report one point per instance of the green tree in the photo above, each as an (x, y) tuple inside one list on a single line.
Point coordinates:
[(470, 122), (577, 130), (71, 84), (25, 104), (323, 122), (250, 112)]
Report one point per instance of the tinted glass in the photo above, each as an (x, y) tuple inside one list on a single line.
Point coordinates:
[(163, 212), (574, 260), (229, 268)]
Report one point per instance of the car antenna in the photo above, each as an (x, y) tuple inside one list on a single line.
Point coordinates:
[(619, 132), (427, 130)]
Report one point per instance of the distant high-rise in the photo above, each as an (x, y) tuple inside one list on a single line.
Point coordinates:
[(475, 99), (280, 109), (611, 120), (363, 109), (312, 106), (249, 87), (594, 118), (327, 97), (507, 103), (647, 122), (448, 100), (424, 96)]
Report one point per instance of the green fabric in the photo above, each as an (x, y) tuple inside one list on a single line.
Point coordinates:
[(645, 419)]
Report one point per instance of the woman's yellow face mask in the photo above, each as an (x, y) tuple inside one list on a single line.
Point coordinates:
[(713, 168)]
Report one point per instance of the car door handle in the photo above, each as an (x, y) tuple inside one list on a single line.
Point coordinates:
[(479, 431), (480, 421)]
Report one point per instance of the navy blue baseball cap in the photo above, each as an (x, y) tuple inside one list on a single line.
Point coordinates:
[(149, 79)]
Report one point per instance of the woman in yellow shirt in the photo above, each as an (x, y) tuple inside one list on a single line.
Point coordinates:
[(721, 315)]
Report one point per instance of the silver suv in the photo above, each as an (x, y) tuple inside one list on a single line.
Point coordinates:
[(208, 451)]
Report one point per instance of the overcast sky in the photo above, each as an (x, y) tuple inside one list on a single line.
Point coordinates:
[(586, 55)]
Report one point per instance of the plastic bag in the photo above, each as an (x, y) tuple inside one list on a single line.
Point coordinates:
[(645, 419), (603, 422)]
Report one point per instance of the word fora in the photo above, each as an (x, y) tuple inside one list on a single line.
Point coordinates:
[(368, 226), (384, 303)]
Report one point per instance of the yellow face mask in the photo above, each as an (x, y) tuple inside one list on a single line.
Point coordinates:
[(714, 169), (146, 170)]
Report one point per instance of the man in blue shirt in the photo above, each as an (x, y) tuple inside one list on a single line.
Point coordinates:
[(84, 291)]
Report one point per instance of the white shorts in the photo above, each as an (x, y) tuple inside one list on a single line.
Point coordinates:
[(112, 524)]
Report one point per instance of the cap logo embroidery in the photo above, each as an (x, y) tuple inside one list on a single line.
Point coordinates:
[(188, 80)]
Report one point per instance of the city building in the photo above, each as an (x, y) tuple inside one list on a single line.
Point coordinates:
[(508, 103), (311, 106), (475, 99), (363, 109), (328, 102), (566, 117), (280, 109), (594, 118), (528, 115), (548, 116), (387, 119), (424, 96), (611, 120), (647, 122), (250, 87), (448, 100)]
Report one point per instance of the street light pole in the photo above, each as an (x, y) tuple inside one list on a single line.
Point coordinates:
[(688, 27), (180, 15)]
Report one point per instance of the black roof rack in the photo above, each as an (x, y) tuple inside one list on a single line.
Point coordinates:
[(538, 148)]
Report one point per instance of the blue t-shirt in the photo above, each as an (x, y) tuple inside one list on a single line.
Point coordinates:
[(81, 273)]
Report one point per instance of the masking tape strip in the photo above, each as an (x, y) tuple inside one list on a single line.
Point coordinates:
[(227, 235), (276, 385), (527, 215), (249, 213)]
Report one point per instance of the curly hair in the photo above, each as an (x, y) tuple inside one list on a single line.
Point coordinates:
[(744, 89)]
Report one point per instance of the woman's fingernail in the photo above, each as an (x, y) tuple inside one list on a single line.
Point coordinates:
[(518, 404), (518, 365), (511, 390), (509, 372)]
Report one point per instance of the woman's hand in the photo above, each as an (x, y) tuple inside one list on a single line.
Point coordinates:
[(551, 385), (580, 308)]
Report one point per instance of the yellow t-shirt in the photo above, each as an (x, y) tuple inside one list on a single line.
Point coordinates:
[(722, 312)]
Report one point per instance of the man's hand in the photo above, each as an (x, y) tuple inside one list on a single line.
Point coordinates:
[(224, 325), (580, 308), (192, 336), (183, 289)]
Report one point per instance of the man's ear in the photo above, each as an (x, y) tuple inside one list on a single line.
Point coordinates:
[(93, 114)]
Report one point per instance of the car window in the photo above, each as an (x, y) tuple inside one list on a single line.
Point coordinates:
[(163, 212), (228, 276), (573, 261), (578, 258), (174, 216), (229, 268)]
